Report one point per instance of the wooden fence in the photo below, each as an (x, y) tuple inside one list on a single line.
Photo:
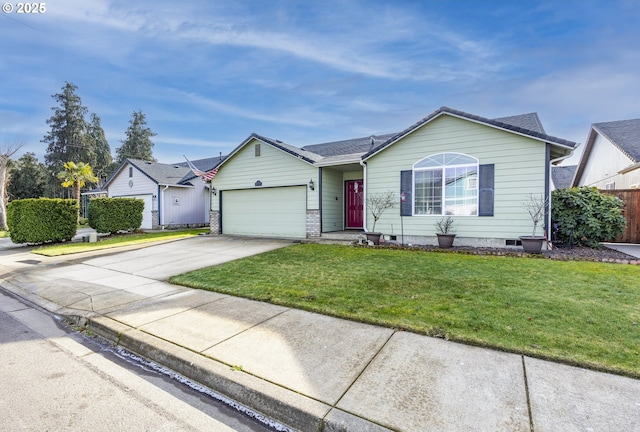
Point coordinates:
[(631, 198)]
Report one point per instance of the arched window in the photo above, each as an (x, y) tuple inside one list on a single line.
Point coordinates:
[(446, 184)]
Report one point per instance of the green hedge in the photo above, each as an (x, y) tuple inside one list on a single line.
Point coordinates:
[(107, 215), (41, 220), (592, 215)]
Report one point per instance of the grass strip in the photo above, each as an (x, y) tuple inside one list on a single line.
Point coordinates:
[(580, 313), (114, 242)]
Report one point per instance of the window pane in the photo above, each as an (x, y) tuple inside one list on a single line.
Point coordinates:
[(461, 192), (428, 192), (458, 159), (431, 161)]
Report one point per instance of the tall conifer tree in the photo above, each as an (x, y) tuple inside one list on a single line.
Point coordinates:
[(138, 144), (67, 139), (102, 165)]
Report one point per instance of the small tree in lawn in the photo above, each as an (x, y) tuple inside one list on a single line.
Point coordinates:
[(76, 176), (378, 203)]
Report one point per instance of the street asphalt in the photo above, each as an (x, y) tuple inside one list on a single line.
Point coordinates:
[(307, 371)]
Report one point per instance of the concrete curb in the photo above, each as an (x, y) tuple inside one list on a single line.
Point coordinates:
[(287, 407)]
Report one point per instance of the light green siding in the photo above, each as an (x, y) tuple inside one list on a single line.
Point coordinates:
[(332, 200), (274, 168), (271, 212), (519, 170)]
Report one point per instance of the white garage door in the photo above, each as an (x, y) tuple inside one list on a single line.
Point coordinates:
[(147, 221), (271, 212)]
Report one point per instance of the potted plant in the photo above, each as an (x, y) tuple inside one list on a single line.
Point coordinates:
[(377, 204), (445, 232), (536, 206)]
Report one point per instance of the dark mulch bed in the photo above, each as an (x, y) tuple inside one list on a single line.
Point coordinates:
[(577, 253)]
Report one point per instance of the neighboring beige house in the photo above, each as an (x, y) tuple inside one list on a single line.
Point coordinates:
[(611, 157), (476, 169)]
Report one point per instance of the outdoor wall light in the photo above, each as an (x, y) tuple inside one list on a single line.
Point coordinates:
[(312, 185), (214, 191)]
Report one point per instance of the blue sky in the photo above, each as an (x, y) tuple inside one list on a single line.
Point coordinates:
[(209, 73)]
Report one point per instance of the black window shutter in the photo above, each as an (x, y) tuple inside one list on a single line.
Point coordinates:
[(486, 184), (406, 186)]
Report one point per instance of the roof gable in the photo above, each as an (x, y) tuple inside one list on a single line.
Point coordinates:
[(624, 134), (157, 172), (292, 151), (504, 125)]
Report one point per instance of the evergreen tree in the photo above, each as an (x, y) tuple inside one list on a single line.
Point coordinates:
[(138, 144), (103, 163), (28, 178), (68, 140)]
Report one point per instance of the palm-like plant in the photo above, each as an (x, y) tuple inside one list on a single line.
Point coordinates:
[(77, 176)]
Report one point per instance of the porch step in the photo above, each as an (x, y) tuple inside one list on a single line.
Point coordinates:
[(337, 237)]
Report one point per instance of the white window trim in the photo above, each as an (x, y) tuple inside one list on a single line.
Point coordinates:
[(442, 167)]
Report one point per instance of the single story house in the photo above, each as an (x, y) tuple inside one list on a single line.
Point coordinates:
[(611, 157), (173, 195), (476, 169)]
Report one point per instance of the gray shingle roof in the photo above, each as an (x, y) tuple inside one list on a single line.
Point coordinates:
[(529, 121), (347, 147), (161, 173), (205, 165), (563, 175), (292, 150), (344, 151), (496, 123), (624, 134)]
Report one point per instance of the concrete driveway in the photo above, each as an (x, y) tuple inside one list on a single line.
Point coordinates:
[(84, 283)]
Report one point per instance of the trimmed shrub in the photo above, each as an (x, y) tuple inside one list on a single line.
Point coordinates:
[(108, 215), (592, 215), (41, 220)]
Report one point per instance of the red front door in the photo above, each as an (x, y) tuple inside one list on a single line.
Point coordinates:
[(355, 203)]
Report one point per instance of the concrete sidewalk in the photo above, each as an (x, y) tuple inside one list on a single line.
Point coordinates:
[(307, 371)]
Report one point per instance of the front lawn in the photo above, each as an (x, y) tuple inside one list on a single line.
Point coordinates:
[(581, 313), (115, 241)]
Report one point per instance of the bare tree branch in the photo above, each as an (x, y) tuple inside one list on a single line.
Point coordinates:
[(6, 151)]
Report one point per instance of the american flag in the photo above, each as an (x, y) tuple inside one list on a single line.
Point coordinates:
[(207, 176)]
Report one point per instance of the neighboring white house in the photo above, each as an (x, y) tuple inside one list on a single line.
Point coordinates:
[(173, 195), (451, 162), (611, 158)]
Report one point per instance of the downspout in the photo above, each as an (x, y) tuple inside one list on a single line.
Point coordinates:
[(364, 193), (320, 196), (160, 204)]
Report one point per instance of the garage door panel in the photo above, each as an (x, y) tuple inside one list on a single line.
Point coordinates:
[(271, 212), (147, 218)]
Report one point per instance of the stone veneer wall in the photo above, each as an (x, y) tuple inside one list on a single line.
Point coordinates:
[(214, 221), (155, 219), (313, 223)]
